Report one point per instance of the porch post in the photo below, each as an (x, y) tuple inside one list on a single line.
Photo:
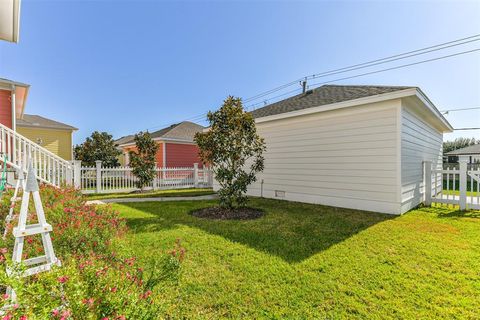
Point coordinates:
[(427, 182), (463, 160), (98, 166), (14, 104)]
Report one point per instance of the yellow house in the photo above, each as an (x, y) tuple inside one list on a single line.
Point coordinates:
[(54, 136)]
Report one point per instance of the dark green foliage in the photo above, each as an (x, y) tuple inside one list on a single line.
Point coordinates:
[(234, 150), (142, 160), (99, 146), (458, 143)]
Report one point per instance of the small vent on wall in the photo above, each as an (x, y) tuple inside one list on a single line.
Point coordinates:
[(279, 193)]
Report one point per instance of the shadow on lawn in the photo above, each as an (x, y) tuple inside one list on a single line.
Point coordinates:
[(292, 231)]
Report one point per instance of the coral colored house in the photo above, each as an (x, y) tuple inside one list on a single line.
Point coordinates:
[(176, 145), (12, 102)]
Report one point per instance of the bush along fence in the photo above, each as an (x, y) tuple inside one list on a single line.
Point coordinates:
[(101, 179), (456, 185)]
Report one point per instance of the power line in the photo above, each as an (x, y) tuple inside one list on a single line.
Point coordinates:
[(398, 67), (466, 129), (387, 69), (356, 67), (371, 63), (462, 109)]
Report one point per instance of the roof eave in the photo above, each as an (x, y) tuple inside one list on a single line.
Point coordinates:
[(23, 125), (340, 105), (365, 100), (159, 139)]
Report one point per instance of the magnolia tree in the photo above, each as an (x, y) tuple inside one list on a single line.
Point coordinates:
[(142, 160), (99, 146), (233, 149)]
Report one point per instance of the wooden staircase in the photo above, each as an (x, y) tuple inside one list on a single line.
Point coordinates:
[(49, 168)]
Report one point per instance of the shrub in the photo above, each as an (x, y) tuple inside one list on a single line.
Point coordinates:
[(94, 282), (234, 150)]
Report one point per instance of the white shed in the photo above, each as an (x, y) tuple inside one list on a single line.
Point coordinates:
[(359, 147)]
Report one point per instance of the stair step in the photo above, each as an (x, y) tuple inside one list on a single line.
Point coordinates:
[(32, 229)]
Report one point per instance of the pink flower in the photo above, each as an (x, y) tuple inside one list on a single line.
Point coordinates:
[(3, 250), (7, 317), (5, 296), (55, 313), (24, 317), (62, 279)]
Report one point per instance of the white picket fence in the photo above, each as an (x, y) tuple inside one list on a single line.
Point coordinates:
[(453, 185), (100, 179)]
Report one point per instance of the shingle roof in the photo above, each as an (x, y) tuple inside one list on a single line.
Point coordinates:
[(473, 149), (184, 131), (324, 95), (32, 120)]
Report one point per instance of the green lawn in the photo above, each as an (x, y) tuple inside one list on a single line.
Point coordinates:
[(306, 261), (152, 194)]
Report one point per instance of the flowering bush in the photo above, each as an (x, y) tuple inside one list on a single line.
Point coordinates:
[(94, 281)]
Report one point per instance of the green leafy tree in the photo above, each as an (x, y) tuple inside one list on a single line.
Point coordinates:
[(458, 143), (234, 150), (99, 146), (142, 160)]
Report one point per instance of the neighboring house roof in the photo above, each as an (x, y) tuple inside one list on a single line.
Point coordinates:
[(36, 121), (323, 95), (183, 131), (330, 97), (473, 149)]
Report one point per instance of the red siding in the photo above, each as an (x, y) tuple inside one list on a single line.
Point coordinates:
[(5, 108), (181, 155), (158, 156)]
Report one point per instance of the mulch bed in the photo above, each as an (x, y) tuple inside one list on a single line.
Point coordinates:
[(218, 213)]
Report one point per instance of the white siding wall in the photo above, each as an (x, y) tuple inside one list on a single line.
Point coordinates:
[(346, 158), (419, 142)]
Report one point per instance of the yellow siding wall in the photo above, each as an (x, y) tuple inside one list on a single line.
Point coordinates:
[(57, 141)]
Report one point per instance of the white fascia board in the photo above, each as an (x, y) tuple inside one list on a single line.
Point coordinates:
[(159, 140), (424, 99), (341, 105), (361, 101)]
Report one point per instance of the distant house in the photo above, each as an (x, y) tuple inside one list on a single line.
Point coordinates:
[(176, 145), (54, 136), (359, 147), (472, 152)]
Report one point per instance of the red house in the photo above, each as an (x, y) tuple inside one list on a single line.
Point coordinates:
[(176, 145)]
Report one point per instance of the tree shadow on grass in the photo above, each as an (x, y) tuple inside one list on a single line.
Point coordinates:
[(290, 230), (454, 213)]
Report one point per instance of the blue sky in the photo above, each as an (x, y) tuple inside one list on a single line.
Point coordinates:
[(126, 66)]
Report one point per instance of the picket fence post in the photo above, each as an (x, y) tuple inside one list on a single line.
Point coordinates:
[(98, 166), (427, 169), (463, 160), (155, 182), (195, 175), (77, 171)]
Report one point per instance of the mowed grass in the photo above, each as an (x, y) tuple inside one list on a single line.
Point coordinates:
[(191, 192), (307, 261)]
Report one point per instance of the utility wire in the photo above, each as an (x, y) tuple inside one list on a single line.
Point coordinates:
[(384, 70), (462, 109), (371, 63), (356, 67)]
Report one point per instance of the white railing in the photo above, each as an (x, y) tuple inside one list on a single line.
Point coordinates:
[(453, 184), (50, 168), (100, 179)]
